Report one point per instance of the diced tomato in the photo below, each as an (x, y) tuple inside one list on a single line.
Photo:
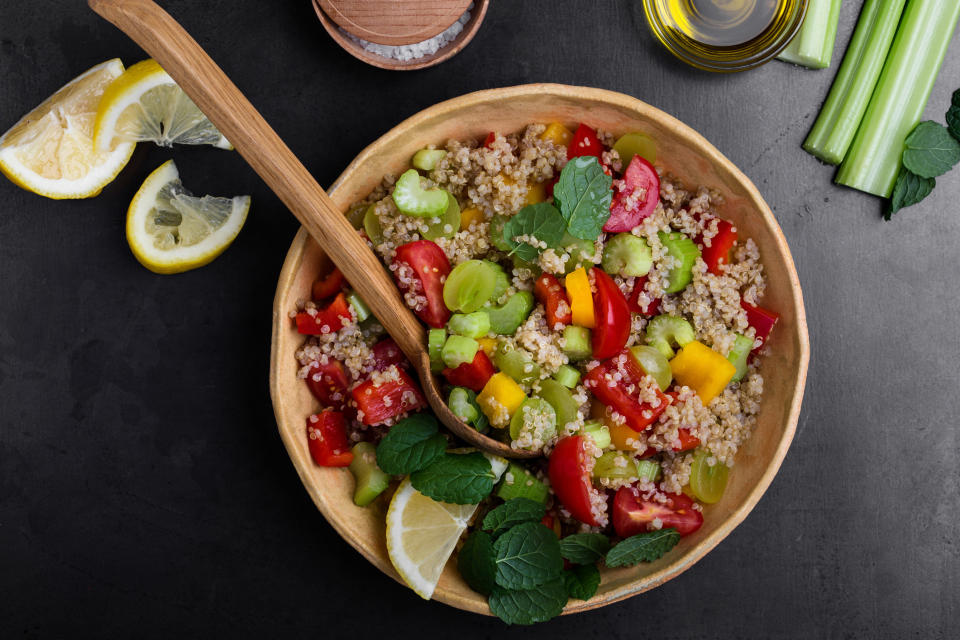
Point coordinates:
[(328, 383), (327, 286), (626, 210), (330, 319), (632, 514), (386, 352), (551, 294), (488, 141), (718, 253), (422, 266), (381, 403), (688, 441), (762, 320), (327, 439), (585, 143), (472, 375), (623, 395), (612, 316), (650, 309), (570, 479)]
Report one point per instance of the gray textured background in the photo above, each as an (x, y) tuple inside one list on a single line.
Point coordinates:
[(144, 491)]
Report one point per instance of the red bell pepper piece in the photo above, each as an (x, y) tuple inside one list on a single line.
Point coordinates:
[(381, 403), (488, 141), (612, 317), (327, 286), (421, 268), (762, 321), (570, 480), (386, 353), (472, 375), (627, 208), (327, 439), (584, 143), (329, 383), (548, 189), (651, 307), (330, 319), (551, 294), (718, 253), (632, 514), (622, 394)]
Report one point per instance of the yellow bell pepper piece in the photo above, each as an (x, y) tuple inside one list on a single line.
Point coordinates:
[(500, 399), (558, 134), (703, 370), (536, 192), (623, 437), (581, 298), (470, 215), (489, 345)]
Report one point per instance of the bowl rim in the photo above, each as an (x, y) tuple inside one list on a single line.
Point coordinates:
[(690, 137)]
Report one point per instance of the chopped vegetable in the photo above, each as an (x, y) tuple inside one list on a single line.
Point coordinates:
[(507, 318), (386, 354), (665, 331), (742, 346), (327, 439), (581, 299), (370, 480), (328, 382), (654, 364), (632, 514), (458, 350), (718, 253), (550, 293), (327, 286), (561, 399), (443, 226), (421, 267), (576, 343), (471, 216), (377, 404), (925, 30), (567, 376), (708, 482), (473, 374), (360, 308), (489, 346), (537, 416), (813, 45), (702, 369), (413, 200), (436, 338), (616, 464), (558, 134), (584, 143), (762, 321), (650, 305), (330, 319), (471, 325), (635, 197), (633, 144), (516, 363), (611, 317), (843, 111), (599, 432), (371, 225), (428, 159), (685, 252), (469, 286), (627, 255), (570, 479), (617, 383), (500, 398)]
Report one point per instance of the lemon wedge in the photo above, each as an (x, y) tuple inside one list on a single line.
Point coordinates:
[(50, 150), (171, 231), (145, 104), (422, 533)]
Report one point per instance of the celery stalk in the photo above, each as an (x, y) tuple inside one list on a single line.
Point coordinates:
[(840, 116), (925, 30), (813, 45)]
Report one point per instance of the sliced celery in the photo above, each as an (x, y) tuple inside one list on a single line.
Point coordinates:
[(577, 342), (813, 45), (567, 376), (427, 159), (742, 346), (599, 432), (649, 470), (359, 306), (461, 405), (627, 255), (925, 30), (517, 364), (436, 338), (471, 325), (616, 464), (370, 480), (413, 200), (664, 331), (445, 226), (843, 110), (458, 350), (507, 318), (534, 415), (654, 364), (561, 400), (684, 251)]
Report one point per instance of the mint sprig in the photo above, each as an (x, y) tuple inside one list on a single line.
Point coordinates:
[(953, 115), (528, 555), (585, 548), (476, 562), (410, 445), (582, 581), (643, 547), (465, 478), (540, 222), (584, 193), (908, 190), (529, 606), (930, 150), (512, 513)]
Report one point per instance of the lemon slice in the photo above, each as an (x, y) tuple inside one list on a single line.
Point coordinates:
[(145, 104), (422, 533), (50, 150), (170, 231)]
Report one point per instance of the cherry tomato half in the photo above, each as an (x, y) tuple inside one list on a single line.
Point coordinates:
[(584, 143), (626, 210), (421, 269), (570, 480), (612, 317), (632, 514)]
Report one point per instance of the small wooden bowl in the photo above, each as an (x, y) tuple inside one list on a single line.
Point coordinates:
[(682, 152), (451, 49)]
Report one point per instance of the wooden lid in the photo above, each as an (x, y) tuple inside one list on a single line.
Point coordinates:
[(394, 22)]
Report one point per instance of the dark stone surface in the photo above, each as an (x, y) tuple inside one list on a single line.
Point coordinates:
[(144, 491)]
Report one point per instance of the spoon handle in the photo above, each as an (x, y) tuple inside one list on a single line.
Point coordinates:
[(199, 76)]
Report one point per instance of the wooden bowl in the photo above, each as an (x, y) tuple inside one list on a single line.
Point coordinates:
[(448, 51), (682, 152)]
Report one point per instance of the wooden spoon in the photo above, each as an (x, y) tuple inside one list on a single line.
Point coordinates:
[(169, 44)]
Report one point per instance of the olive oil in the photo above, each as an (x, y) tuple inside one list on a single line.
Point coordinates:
[(725, 35)]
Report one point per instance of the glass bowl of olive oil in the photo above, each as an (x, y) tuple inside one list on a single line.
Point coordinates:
[(725, 35)]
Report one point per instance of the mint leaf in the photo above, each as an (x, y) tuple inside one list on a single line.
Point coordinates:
[(953, 115), (583, 194), (528, 606), (512, 513), (456, 478), (584, 548), (582, 581), (643, 547), (410, 445), (476, 562), (930, 150), (541, 221), (908, 190), (528, 555)]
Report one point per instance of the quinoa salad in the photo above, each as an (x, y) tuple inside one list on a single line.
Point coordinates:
[(581, 304)]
